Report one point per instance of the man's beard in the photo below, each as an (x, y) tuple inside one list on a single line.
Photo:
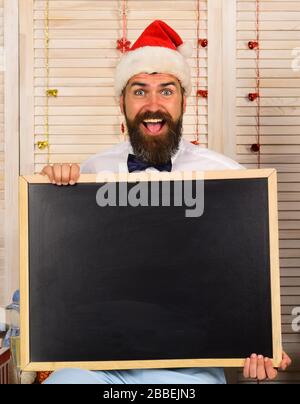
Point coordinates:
[(155, 149)]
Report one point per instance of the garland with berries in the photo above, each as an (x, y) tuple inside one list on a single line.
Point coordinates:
[(255, 96)]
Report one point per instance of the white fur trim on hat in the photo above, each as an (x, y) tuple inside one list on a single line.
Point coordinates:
[(186, 49), (151, 59)]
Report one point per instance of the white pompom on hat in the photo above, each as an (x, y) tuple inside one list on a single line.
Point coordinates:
[(159, 49)]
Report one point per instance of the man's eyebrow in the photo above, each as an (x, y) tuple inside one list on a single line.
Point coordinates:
[(136, 83), (170, 83)]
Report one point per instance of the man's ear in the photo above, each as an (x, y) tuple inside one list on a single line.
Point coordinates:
[(122, 103)]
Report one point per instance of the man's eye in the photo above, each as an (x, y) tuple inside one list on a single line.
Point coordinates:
[(139, 92), (166, 91)]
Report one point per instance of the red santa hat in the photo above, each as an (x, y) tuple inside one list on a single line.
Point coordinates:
[(159, 49)]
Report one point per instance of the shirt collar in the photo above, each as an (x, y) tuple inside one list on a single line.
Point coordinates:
[(180, 149)]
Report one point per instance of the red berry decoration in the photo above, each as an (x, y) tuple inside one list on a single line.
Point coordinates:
[(195, 142), (202, 93), (253, 45), (255, 148), (123, 45), (203, 43), (253, 96)]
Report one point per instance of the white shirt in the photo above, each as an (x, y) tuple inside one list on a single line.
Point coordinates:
[(188, 158)]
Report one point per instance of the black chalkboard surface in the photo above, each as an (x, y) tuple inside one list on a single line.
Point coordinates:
[(116, 287)]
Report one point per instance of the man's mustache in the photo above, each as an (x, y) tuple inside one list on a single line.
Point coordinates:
[(153, 115)]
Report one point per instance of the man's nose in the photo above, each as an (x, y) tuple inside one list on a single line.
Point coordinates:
[(153, 102)]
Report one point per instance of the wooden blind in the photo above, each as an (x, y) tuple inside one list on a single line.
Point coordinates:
[(2, 267), (280, 130), (85, 118)]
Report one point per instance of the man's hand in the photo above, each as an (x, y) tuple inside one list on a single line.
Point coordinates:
[(62, 174), (259, 368)]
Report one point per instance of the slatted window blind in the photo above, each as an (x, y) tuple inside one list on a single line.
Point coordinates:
[(85, 118), (280, 130)]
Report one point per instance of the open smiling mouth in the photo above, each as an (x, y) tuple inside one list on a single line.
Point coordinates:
[(154, 127)]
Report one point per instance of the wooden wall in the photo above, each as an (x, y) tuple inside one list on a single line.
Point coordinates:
[(280, 130)]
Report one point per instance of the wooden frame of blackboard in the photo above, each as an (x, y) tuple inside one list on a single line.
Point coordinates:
[(269, 174)]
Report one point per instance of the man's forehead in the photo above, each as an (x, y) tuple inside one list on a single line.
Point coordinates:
[(157, 78)]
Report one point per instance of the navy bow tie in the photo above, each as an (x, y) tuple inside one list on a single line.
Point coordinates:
[(135, 164)]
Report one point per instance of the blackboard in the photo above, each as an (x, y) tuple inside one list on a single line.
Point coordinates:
[(119, 287)]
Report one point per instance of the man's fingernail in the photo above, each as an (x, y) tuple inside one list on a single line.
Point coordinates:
[(53, 182), (59, 183), (72, 182), (260, 356), (253, 356), (266, 359)]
